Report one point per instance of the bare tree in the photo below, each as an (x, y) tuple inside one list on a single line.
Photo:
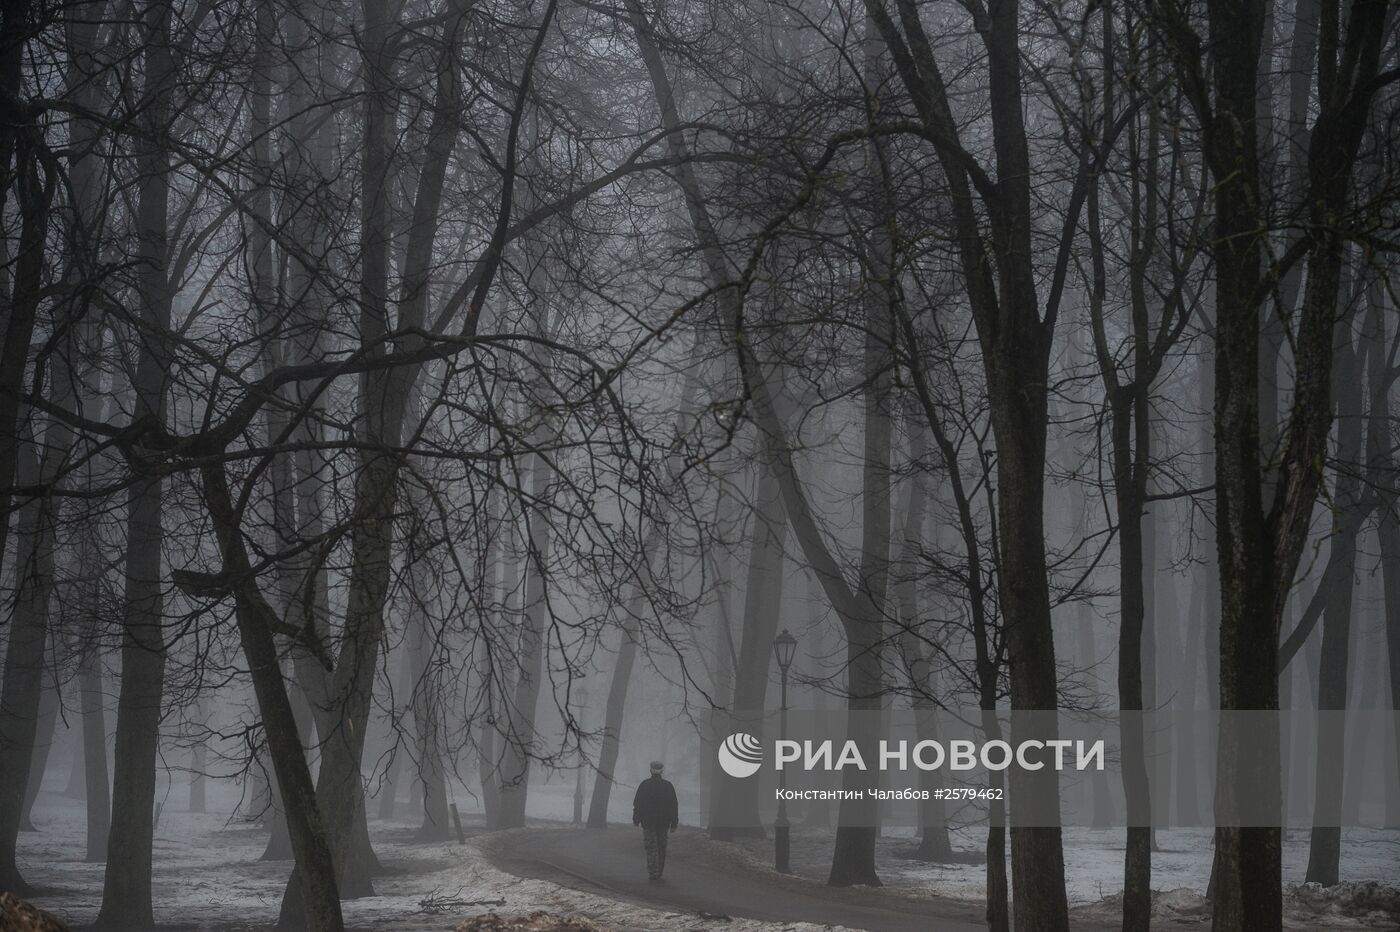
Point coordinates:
[(1259, 537)]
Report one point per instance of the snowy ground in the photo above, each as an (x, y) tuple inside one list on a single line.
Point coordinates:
[(208, 876), (1094, 870)]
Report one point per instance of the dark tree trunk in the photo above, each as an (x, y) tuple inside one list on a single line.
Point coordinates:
[(49, 701), (1260, 537), (612, 727), (1015, 341), (126, 895), (77, 780), (30, 698), (24, 657), (256, 618), (1128, 396), (19, 721), (1325, 851), (339, 784), (427, 699), (99, 800), (987, 660), (818, 812), (20, 169), (1388, 523), (737, 813), (934, 843), (1128, 489), (85, 176), (1184, 757), (339, 787), (279, 841), (721, 563)]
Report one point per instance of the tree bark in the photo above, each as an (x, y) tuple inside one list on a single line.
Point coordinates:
[(49, 701), (126, 895), (1325, 850), (934, 842), (737, 814), (21, 169), (385, 395), (99, 800), (256, 619), (1260, 538), (520, 736), (426, 693), (616, 706), (1387, 524), (24, 657), (22, 687), (1015, 341)]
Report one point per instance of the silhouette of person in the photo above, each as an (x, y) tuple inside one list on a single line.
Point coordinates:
[(654, 809)]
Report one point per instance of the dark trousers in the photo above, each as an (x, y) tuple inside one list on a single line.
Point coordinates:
[(655, 841)]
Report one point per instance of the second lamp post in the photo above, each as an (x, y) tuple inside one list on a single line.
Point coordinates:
[(784, 647)]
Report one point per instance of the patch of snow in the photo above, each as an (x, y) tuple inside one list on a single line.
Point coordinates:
[(208, 876), (1094, 871)]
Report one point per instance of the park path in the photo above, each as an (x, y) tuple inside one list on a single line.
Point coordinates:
[(704, 881)]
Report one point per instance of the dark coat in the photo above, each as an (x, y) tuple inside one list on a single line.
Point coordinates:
[(654, 807)]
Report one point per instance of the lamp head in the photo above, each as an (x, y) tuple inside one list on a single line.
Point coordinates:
[(785, 646)]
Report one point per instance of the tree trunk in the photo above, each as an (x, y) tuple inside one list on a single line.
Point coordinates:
[(1015, 341), (394, 744), (1128, 398), (737, 814), (99, 806), (19, 701), (488, 771), (256, 618), (616, 706), (520, 737), (1183, 759), (1137, 870), (427, 700), (934, 843), (1260, 538), (24, 657), (77, 782), (126, 895), (279, 841), (488, 726), (340, 790), (853, 861), (49, 701), (818, 812), (987, 660), (1325, 851), (1387, 524), (34, 187)]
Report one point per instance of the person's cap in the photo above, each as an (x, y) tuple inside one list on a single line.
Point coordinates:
[(656, 766)]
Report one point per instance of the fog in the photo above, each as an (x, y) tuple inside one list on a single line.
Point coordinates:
[(419, 418)]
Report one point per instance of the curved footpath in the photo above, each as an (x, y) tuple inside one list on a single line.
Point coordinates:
[(700, 880)]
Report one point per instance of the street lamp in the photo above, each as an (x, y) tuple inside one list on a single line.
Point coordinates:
[(784, 647)]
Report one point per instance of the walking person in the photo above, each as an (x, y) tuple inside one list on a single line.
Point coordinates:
[(654, 809)]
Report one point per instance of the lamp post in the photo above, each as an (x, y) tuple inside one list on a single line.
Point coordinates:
[(784, 646)]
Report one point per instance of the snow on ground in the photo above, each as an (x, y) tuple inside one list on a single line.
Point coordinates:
[(1094, 872), (208, 878), (208, 875)]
